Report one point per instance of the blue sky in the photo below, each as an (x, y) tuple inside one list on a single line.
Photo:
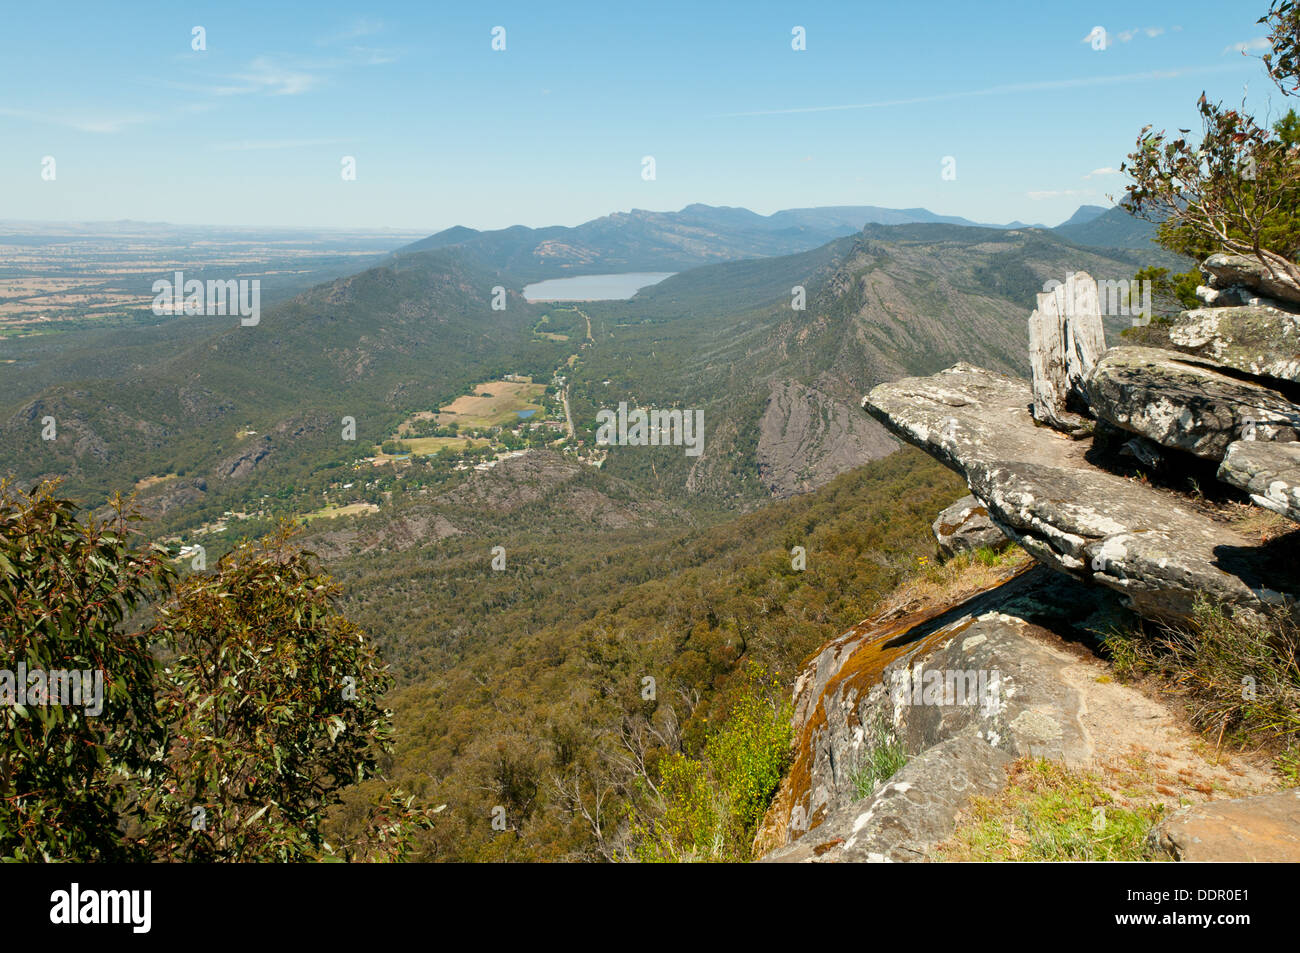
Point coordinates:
[(447, 131)]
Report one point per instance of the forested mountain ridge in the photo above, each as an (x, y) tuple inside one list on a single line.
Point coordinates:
[(780, 386), (1118, 228)]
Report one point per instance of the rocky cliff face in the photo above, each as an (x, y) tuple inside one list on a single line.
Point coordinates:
[(966, 688), (807, 437), (1003, 698)]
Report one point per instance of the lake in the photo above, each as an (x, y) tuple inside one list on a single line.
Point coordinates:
[(594, 287)]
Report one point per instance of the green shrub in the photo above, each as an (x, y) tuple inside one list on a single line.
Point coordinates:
[(266, 710), (693, 825), (272, 699), (68, 587), (712, 805)]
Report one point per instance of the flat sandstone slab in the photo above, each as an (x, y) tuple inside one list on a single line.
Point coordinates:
[(1095, 525)]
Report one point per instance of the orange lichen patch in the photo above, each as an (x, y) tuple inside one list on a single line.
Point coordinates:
[(823, 848), (863, 653)]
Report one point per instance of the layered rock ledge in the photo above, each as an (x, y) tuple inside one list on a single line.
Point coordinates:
[(1238, 271), (1257, 340), (1269, 472), (1187, 403), (1220, 388), (1041, 490), (960, 746)]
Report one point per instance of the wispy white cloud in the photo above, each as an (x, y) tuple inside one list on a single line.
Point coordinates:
[(96, 124), (1257, 45), (1033, 87), (372, 55), (270, 75), (1104, 170), (264, 75), (357, 54), (255, 145), (260, 77)]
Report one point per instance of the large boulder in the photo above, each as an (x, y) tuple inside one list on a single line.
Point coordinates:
[(963, 688), (911, 814), (1269, 472), (1229, 270), (1187, 403), (1260, 341), (1258, 829), (1042, 491), (965, 526)]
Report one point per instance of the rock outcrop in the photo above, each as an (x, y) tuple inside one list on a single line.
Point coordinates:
[(1236, 296), (1258, 829), (964, 689), (807, 437), (1225, 380), (1238, 271), (875, 675), (1261, 341), (1187, 403), (1269, 472), (965, 526), (1041, 490), (1040, 461)]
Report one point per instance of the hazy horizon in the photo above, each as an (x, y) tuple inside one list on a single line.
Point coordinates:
[(433, 230)]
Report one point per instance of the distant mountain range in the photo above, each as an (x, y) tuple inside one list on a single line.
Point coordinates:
[(642, 240)]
